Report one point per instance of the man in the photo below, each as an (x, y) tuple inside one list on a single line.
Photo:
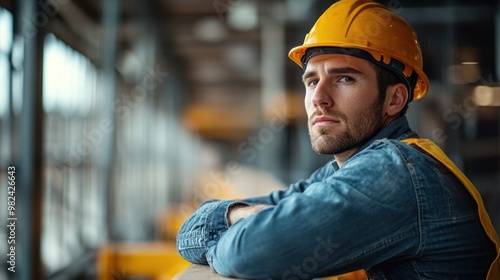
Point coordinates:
[(389, 203)]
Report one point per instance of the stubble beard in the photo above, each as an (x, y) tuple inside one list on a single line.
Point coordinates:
[(348, 134)]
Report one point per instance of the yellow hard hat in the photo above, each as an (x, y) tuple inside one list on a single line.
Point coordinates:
[(368, 30)]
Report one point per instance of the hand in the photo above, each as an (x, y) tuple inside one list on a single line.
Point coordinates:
[(243, 211)]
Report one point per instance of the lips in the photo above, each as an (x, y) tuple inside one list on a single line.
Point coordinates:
[(324, 121)]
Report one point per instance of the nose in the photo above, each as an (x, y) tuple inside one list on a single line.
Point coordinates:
[(321, 97)]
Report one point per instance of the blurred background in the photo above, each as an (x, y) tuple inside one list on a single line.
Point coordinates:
[(121, 116)]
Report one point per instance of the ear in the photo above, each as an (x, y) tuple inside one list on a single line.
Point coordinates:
[(396, 98)]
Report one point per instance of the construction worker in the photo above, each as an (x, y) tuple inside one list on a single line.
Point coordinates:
[(390, 205)]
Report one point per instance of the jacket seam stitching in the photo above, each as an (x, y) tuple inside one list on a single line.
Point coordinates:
[(420, 204)]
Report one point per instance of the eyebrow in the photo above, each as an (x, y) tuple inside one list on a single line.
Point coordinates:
[(340, 70)]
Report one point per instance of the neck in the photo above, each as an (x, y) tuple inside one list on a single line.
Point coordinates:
[(344, 156)]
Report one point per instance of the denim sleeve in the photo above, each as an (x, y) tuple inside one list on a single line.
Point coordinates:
[(197, 230), (203, 229), (361, 215)]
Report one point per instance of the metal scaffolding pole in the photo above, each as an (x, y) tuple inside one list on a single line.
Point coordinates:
[(110, 22), (273, 96), (29, 155)]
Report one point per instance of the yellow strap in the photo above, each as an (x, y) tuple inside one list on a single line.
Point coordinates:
[(433, 150), (354, 275)]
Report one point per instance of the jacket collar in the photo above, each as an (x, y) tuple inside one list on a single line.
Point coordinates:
[(398, 129)]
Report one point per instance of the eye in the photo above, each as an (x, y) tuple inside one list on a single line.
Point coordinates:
[(346, 79), (312, 83)]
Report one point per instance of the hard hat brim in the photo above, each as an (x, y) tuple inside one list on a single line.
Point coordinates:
[(419, 91)]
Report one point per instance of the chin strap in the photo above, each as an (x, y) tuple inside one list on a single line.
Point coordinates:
[(432, 149)]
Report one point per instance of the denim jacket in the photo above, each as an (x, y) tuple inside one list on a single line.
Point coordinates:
[(390, 209)]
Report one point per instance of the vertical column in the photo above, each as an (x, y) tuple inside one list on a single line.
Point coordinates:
[(453, 140), (110, 21), (273, 96), (273, 54), (30, 154)]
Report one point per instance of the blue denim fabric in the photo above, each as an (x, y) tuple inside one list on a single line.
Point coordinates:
[(390, 209)]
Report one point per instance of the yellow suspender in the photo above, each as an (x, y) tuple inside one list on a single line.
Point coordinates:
[(433, 150)]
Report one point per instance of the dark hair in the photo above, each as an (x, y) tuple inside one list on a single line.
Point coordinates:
[(386, 78)]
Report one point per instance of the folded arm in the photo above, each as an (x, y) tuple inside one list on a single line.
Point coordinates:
[(209, 221), (340, 224)]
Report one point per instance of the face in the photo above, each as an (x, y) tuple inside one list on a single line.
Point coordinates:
[(342, 103)]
